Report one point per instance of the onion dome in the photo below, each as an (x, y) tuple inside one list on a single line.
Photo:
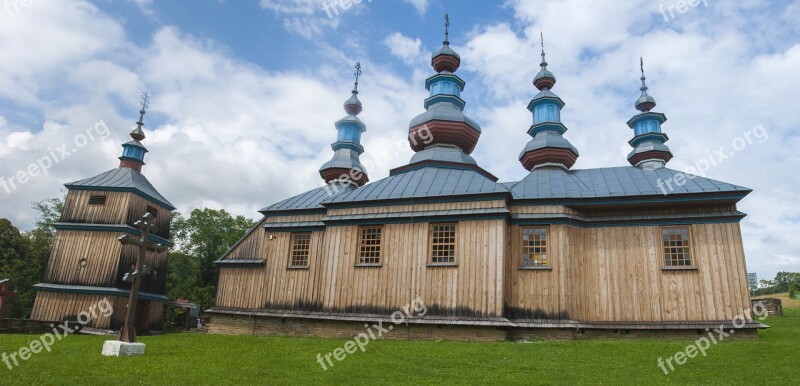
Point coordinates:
[(445, 59), (443, 122), (649, 150), (345, 166), (544, 80), (548, 146), (133, 151), (645, 102)]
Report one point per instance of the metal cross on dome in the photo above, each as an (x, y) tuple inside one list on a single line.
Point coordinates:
[(447, 27), (145, 105), (357, 74), (146, 225)]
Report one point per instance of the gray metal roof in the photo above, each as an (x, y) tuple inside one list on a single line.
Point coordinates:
[(625, 181), (416, 215), (429, 181), (310, 199), (547, 139), (445, 50), (295, 224), (443, 152), (122, 179), (444, 111), (344, 159)]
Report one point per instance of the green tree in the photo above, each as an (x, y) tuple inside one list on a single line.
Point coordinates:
[(16, 264), (23, 256), (201, 239), (42, 236), (785, 280)]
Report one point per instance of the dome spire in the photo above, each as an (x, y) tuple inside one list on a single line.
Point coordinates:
[(133, 151), (444, 122), (345, 166), (649, 150), (548, 146), (353, 106), (446, 29), (545, 79), (543, 64), (645, 102)]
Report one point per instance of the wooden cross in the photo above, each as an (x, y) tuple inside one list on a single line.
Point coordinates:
[(5, 292), (146, 226)]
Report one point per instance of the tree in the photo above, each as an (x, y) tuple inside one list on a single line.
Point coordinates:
[(785, 280), (42, 236), (15, 264), (23, 256), (201, 239)]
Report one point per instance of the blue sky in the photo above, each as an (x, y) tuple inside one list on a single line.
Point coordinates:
[(245, 93)]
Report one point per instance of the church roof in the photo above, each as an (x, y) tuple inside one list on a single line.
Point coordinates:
[(625, 181), (122, 179), (309, 200), (425, 182)]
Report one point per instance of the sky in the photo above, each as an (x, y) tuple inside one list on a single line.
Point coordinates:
[(244, 94)]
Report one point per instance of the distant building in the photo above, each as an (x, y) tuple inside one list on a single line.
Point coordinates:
[(752, 281), (87, 261), (626, 248)]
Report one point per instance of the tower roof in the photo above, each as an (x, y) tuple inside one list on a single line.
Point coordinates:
[(544, 79), (122, 180), (444, 122), (649, 150), (345, 166), (133, 151), (548, 146), (445, 58), (645, 102)]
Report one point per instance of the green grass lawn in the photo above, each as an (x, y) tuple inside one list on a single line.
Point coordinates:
[(211, 359)]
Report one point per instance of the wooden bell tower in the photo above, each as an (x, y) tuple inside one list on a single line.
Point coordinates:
[(88, 262)]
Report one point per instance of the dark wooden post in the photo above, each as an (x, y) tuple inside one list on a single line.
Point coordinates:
[(128, 331), (5, 293)]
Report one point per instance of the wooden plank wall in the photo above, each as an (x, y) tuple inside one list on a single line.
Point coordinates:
[(543, 293), (599, 274), (120, 208), (100, 249), (78, 210), (614, 274), (138, 207), (52, 306), (333, 283)]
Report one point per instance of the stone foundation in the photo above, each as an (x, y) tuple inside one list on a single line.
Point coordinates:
[(300, 327), (270, 326)]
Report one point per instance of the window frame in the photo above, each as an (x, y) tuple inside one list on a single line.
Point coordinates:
[(152, 210), (689, 247), (293, 247), (454, 244), (97, 197), (523, 259), (360, 247)]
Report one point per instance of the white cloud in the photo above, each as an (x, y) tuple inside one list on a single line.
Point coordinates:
[(420, 5), (404, 48), (293, 7), (145, 6), (240, 137)]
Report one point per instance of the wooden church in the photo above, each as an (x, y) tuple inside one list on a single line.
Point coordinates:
[(88, 262), (562, 252)]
